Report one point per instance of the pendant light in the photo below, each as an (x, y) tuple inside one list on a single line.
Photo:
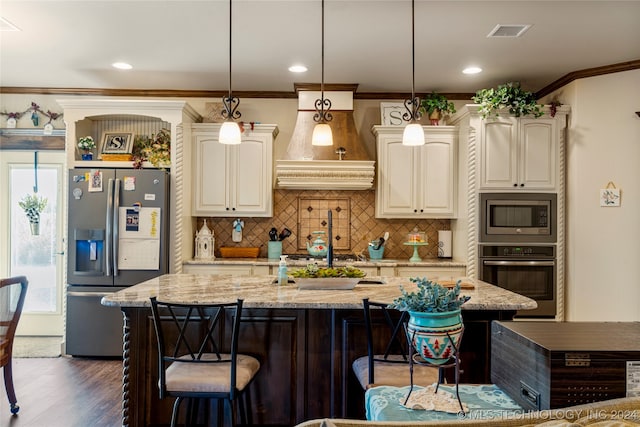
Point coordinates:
[(413, 133), (322, 131), (230, 131)]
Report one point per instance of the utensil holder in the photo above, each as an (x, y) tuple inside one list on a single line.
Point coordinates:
[(376, 253), (274, 249)]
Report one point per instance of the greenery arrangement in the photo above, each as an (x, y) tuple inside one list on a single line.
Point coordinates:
[(431, 297), (33, 205), (155, 149), (86, 143), (435, 101), (509, 95), (313, 271)]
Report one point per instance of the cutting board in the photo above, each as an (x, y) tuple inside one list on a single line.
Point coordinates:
[(452, 283)]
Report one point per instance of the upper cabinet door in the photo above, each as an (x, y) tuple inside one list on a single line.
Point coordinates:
[(396, 178), (212, 175), (437, 170), (519, 154), (539, 154), (416, 182), (499, 154), (253, 186), (233, 180)]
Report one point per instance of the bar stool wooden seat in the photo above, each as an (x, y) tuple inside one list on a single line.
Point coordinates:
[(387, 359)]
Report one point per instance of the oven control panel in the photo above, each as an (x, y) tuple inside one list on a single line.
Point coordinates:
[(517, 251)]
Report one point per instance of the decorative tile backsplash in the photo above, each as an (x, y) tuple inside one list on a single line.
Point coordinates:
[(353, 220), (313, 216)]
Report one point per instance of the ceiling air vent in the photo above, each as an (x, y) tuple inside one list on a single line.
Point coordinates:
[(7, 26), (515, 30)]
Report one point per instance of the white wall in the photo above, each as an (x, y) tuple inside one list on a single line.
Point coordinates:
[(603, 250)]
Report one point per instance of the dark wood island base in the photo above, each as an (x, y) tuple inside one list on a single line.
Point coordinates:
[(306, 358), (306, 342)]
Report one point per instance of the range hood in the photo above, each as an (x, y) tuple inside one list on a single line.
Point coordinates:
[(343, 166)]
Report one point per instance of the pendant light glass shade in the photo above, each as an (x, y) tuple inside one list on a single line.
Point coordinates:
[(230, 133), (413, 134), (322, 135)]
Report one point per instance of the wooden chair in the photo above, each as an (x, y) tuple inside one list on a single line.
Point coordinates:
[(387, 359), (12, 294), (198, 357)]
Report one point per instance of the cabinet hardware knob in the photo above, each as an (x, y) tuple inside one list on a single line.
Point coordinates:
[(515, 185), (521, 185)]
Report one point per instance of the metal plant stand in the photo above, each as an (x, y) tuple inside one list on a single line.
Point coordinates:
[(452, 362)]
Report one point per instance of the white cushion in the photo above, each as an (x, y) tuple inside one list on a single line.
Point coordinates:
[(393, 374), (210, 377)]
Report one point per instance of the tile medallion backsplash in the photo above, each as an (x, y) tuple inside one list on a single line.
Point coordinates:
[(354, 225)]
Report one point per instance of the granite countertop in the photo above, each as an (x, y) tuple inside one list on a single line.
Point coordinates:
[(426, 262), (262, 292)]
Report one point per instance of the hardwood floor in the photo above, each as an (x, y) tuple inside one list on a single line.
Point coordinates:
[(64, 392)]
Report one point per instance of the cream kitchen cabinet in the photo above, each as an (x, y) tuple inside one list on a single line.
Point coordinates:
[(519, 154), (233, 180), (416, 182)]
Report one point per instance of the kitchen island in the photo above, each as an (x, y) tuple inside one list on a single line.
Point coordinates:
[(306, 341)]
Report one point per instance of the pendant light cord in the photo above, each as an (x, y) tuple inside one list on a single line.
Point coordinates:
[(230, 102), (322, 55), (322, 115), (413, 104), (413, 51), (230, 51)]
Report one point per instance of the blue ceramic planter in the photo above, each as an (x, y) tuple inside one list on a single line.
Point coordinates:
[(434, 335), (87, 156)]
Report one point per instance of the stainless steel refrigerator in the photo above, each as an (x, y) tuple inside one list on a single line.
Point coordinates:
[(117, 237)]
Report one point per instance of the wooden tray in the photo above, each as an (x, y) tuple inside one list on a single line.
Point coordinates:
[(239, 252), (452, 283), (116, 157)]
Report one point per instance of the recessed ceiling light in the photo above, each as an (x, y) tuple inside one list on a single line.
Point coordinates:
[(472, 70), (122, 66), (298, 69)]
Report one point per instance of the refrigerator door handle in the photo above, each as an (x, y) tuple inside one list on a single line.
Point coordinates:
[(109, 227), (116, 224)]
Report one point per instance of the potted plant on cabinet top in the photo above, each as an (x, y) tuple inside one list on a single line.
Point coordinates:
[(33, 205), (436, 106), (155, 149), (435, 320), (86, 144), (509, 95)]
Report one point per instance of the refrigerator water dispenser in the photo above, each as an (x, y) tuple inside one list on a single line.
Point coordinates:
[(89, 251)]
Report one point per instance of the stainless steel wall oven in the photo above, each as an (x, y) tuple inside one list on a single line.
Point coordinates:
[(528, 270)]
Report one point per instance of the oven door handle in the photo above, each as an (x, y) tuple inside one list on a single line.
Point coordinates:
[(521, 263)]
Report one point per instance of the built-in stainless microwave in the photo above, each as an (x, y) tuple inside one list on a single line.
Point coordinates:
[(518, 217)]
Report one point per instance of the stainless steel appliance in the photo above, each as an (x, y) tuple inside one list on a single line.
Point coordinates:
[(518, 217), (528, 270), (117, 229)]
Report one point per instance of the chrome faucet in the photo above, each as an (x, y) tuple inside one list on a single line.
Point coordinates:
[(330, 239)]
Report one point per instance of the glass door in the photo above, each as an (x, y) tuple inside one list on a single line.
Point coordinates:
[(36, 256)]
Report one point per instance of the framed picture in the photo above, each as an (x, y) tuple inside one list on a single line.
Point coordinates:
[(117, 143), (391, 114)]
